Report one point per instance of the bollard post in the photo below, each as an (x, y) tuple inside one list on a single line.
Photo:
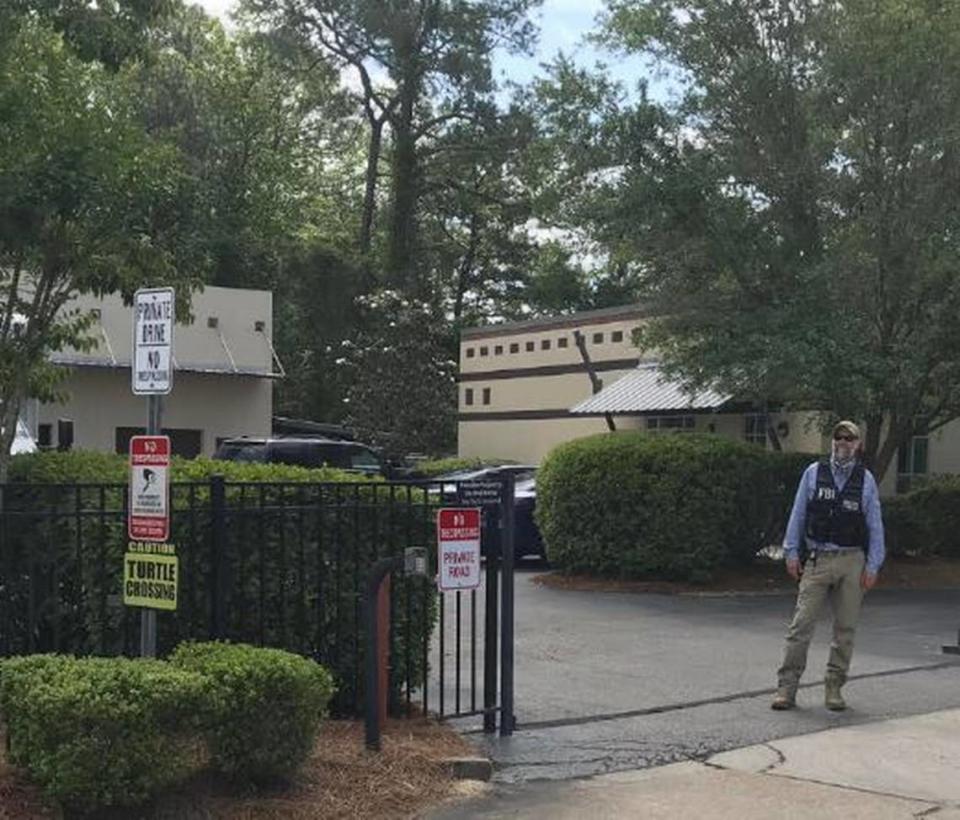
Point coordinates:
[(383, 649), (376, 657), (376, 612)]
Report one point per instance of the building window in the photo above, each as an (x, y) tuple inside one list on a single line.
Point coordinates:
[(514, 347), (470, 352), (671, 424), (912, 463), (598, 338), (498, 350), (616, 336), (484, 351), (545, 344), (468, 396), (45, 436), (755, 429), (562, 341), (530, 347), (486, 395)]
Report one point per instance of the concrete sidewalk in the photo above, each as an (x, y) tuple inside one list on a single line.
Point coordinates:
[(902, 768)]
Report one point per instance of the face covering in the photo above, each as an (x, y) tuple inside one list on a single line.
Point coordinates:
[(841, 461)]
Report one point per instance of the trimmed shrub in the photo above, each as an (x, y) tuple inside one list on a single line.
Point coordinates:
[(99, 732), (925, 521), (263, 706), (634, 505), (87, 466)]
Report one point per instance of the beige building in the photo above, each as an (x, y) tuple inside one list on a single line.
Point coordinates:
[(224, 364), (525, 387)]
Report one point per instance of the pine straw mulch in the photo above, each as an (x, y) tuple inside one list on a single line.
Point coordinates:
[(766, 576), (341, 781)]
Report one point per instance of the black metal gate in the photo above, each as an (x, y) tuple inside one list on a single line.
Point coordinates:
[(481, 622), (270, 563)]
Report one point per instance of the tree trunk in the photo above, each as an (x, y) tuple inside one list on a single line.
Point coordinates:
[(871, 442), (9, 414), (405, 173), (374, 145), (463, 271), (885, 454)]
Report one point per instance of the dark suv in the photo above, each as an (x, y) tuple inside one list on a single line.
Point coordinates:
[(304, 451)]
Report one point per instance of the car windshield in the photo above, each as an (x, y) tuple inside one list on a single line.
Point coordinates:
[(525, 489)]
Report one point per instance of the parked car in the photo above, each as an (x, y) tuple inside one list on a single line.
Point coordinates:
[(306, 451), (526, 537)]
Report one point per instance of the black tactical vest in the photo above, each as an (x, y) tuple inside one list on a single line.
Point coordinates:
[(835, 516)]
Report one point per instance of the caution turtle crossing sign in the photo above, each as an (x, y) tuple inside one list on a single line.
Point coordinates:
[(150, 575)]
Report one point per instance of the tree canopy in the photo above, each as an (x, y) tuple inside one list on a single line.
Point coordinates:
[(794, 222), (789, 218)]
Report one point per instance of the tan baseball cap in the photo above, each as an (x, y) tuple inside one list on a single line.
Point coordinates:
[(848, 427)]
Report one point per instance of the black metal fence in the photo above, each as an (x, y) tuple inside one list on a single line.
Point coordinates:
[(274, 564)]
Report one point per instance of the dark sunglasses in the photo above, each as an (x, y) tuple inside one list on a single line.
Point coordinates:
[(842, 437)]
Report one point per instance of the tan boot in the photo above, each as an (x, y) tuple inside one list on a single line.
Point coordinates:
[(832, 698), (784, 699)]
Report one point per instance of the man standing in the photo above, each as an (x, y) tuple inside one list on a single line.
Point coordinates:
[(834, 548)]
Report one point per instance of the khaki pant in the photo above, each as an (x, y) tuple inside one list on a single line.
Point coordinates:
[(834, 575)]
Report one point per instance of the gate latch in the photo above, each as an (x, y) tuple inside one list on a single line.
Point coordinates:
[(415, 561)]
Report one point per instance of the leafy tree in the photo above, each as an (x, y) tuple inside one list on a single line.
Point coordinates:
[(315, 309), (108, 32), (476, 244), (421, 64), (401, 375), (574, 170), (794, 217), (250, 131), (88, 204)]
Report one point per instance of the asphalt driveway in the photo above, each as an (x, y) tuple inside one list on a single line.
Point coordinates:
[(622, 680)]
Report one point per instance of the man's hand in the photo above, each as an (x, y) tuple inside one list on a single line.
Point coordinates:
[(793, 568), (867, 580)]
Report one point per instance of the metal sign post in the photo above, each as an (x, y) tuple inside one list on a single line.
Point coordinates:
[(152, 376)]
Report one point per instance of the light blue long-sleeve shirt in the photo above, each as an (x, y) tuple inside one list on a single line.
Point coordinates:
[(797, 526)]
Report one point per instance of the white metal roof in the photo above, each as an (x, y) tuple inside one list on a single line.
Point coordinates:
[(647, 390)]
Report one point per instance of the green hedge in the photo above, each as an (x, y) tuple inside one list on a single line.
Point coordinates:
[(294, 574), (925, 521), (263, 707), (86, 466), (99, 732), (634, 505), (442, 466)]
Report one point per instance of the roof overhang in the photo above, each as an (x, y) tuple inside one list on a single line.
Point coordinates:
[(647, 391), (212, 370)]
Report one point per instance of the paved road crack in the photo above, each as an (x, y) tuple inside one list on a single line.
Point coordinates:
[(781, 758), (693, 704)]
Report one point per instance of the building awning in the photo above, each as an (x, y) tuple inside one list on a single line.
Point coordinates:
[(647, 390), (66, 360)]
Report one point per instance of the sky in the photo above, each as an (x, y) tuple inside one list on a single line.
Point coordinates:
[(563, 25)]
